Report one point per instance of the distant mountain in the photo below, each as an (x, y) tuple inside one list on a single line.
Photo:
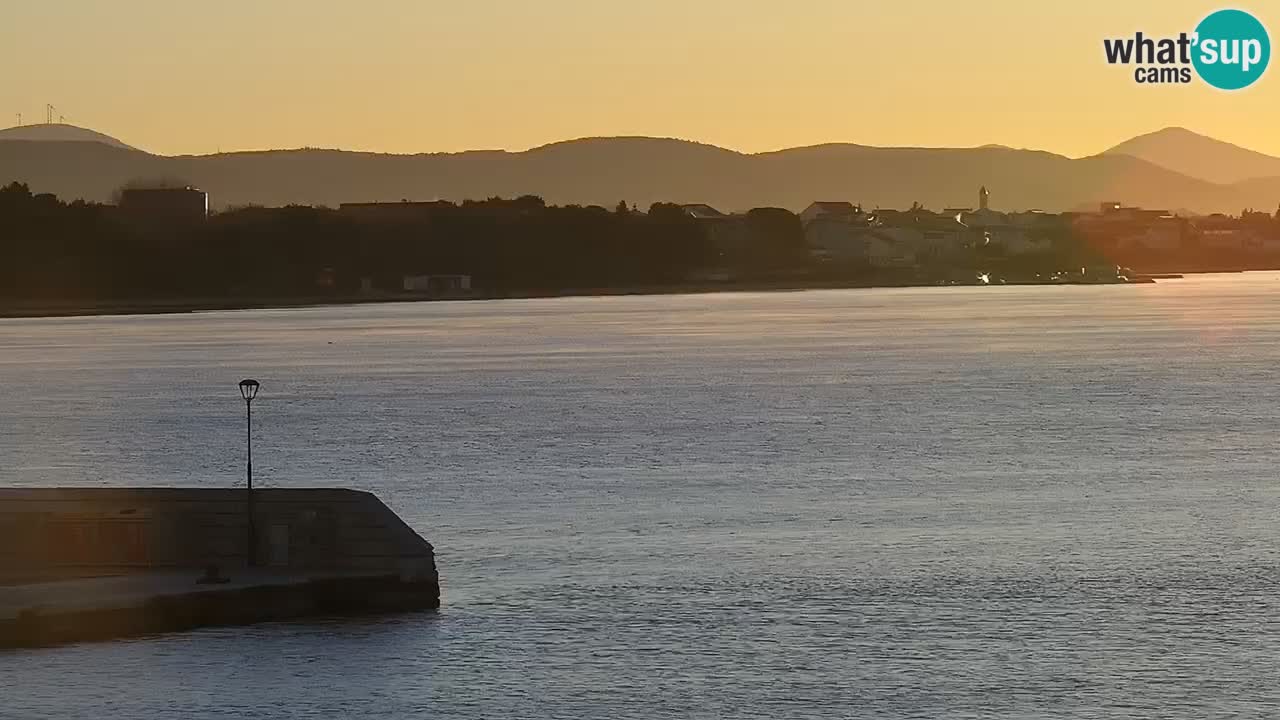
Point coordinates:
[(602, 171), (58, 132), (1197, 155)]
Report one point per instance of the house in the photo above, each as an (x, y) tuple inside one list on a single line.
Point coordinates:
[(1030, 218), (702, 211), (326, 279), (393, 212), (836, 239), (984, 218), (727, 233), (437, 283), (941, 244), (1162, 235), (934, 237), (838, 209), (1114, 211), (1017, 233), (1228, 240), (1221, 233), (1124, 229), (1018, 240), (164, 205), (1266, 243), (891, 248)]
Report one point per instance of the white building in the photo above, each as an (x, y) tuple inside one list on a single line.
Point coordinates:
[(837, 239), (892, 247), (1227, 240), (1158, 236), (1017, 241)]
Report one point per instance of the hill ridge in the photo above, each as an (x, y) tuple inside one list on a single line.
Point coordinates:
[(604, 171), (1180, 149)]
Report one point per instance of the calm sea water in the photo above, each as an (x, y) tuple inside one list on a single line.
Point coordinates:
[(1037, 502)]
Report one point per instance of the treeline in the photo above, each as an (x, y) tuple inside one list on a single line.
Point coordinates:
[(51, 250)]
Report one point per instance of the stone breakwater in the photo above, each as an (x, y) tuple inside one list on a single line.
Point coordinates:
[(92, 564)]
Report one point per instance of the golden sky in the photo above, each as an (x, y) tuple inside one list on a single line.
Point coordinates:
[(175, 77)]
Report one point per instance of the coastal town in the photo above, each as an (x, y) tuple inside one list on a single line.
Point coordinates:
[(844, 233), (164, 243)]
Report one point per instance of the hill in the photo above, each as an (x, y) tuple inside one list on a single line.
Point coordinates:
[(58, 132), (602, 171), (1197, 155)]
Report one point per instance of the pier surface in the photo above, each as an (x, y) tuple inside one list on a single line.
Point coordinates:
[(102, 563)]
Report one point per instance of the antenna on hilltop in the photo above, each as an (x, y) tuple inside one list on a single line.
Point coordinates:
[(19, 119), (49, 111)]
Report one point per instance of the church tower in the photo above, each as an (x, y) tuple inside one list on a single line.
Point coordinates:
[(984, 198)]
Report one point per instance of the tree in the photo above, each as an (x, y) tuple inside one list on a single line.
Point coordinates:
[(666, 210), (16, 189), (775, 240)]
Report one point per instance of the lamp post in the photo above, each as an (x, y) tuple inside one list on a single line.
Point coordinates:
[(248, 391)]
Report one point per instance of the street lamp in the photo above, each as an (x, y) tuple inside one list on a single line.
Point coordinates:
[(248, 391)]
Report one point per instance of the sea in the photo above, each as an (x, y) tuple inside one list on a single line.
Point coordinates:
[(952, 502)]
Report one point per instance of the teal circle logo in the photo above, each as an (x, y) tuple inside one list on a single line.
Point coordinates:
[(1232, 49)]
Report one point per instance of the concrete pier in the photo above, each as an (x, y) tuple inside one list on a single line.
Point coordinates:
[(90, 564)]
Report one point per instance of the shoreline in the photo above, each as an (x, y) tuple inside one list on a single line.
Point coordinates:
[(173, 306)]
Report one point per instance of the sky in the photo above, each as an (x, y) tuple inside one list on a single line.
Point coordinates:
[(406, 76)]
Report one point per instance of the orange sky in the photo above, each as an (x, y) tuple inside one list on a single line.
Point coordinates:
[(426, 75)]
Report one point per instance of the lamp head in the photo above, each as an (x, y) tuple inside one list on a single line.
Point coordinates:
[(249, 389)]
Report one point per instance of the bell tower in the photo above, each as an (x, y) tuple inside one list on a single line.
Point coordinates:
[(984, 198)]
